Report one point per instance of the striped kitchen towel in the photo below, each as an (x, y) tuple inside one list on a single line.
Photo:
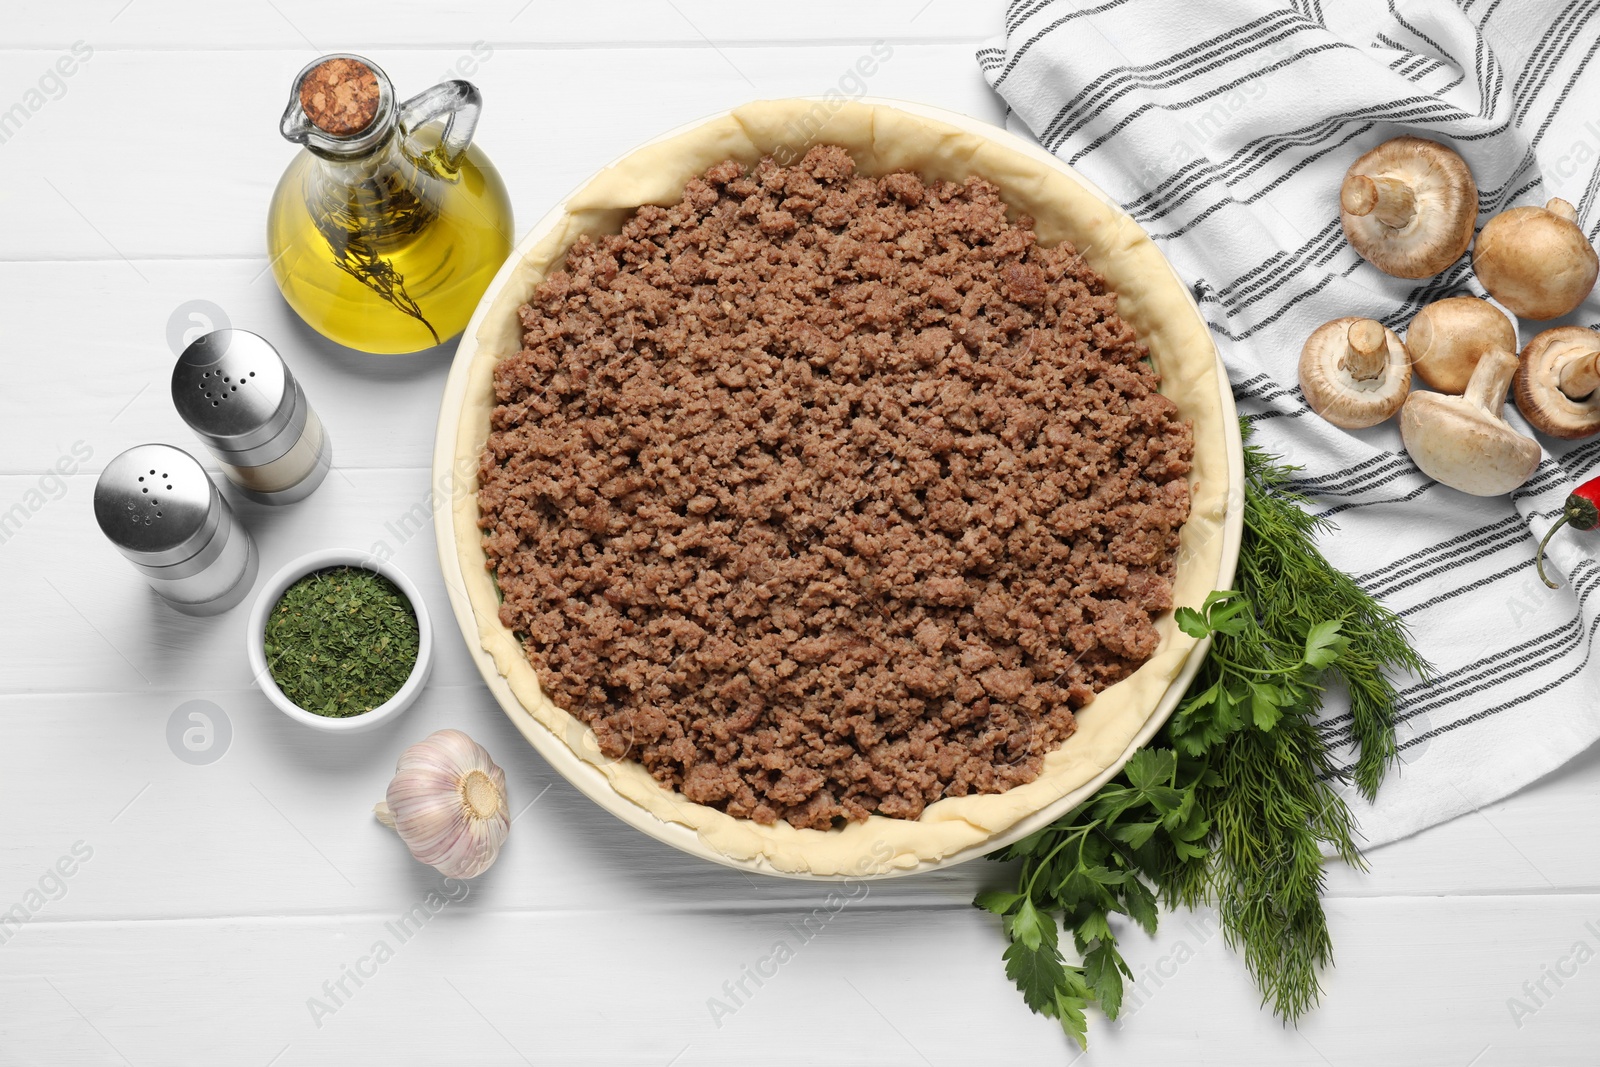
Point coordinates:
[(1225, 128)]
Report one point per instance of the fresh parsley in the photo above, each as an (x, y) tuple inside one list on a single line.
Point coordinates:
[(1107, 857)]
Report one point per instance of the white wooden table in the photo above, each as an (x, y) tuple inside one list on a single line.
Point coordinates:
[(211, 905)]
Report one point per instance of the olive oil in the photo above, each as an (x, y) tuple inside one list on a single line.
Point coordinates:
[(385, 231)]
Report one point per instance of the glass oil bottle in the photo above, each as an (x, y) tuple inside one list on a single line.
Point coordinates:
[(385, 230)]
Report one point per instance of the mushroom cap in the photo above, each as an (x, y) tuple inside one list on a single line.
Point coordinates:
[(1446, 209), (1460, 442), (1537, 385), (1446, 338), (1338, 395), (1536, 262)]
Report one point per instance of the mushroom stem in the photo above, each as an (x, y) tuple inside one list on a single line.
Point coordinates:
[(1561, 209), (1491, 379), (1580, 375), (1366, 350), (1389, 199), (1354, 373)]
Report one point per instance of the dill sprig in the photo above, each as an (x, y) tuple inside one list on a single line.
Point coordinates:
[(1293, 586), (1234, 802)]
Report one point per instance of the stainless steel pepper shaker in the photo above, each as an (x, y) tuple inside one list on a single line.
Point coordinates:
[(239, 398), (162, 511)]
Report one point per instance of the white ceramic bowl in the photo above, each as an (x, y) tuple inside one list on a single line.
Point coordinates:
[(273, 591)]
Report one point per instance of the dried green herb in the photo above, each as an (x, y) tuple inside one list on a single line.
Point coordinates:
[(341, 641)]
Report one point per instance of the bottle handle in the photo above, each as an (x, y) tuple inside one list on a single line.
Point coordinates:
[(460, 100)]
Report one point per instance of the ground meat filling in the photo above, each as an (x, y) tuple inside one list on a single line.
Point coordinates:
[(824, 496)]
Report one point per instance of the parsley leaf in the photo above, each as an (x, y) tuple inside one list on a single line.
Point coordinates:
[(1038, 973), (1191, 622), (997, 901), (1030, 928), (1324, 645), (1103, 967)]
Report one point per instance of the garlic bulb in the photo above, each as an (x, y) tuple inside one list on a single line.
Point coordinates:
[(448, 804)]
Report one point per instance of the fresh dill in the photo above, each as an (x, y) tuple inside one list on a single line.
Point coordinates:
[(1235, 800)]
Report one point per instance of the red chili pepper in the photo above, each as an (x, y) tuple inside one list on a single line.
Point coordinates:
[(1581, 512)]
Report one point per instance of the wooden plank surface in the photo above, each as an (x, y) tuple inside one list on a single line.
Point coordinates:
[(550, 120), (168, 25), (871, 985), (208, 902)]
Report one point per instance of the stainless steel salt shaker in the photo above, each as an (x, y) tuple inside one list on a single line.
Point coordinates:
[(239, 398), (162, 511)]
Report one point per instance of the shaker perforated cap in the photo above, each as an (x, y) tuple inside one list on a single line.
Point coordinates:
[(237, 395), (157, 505)]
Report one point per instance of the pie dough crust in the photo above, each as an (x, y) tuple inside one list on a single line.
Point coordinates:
[(881, 139)]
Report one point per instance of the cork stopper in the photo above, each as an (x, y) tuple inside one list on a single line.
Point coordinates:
[(340, 96)]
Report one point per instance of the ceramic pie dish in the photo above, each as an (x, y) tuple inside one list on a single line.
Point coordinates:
[(882, 137)]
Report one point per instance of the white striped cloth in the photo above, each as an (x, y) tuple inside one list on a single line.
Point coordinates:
[(1225, 128)]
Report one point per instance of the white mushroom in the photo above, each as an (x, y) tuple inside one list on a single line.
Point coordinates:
[(1536, 261), (1462, 442), (1408, 207), (1447, 337), (1354, 372), (1558, 382)]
